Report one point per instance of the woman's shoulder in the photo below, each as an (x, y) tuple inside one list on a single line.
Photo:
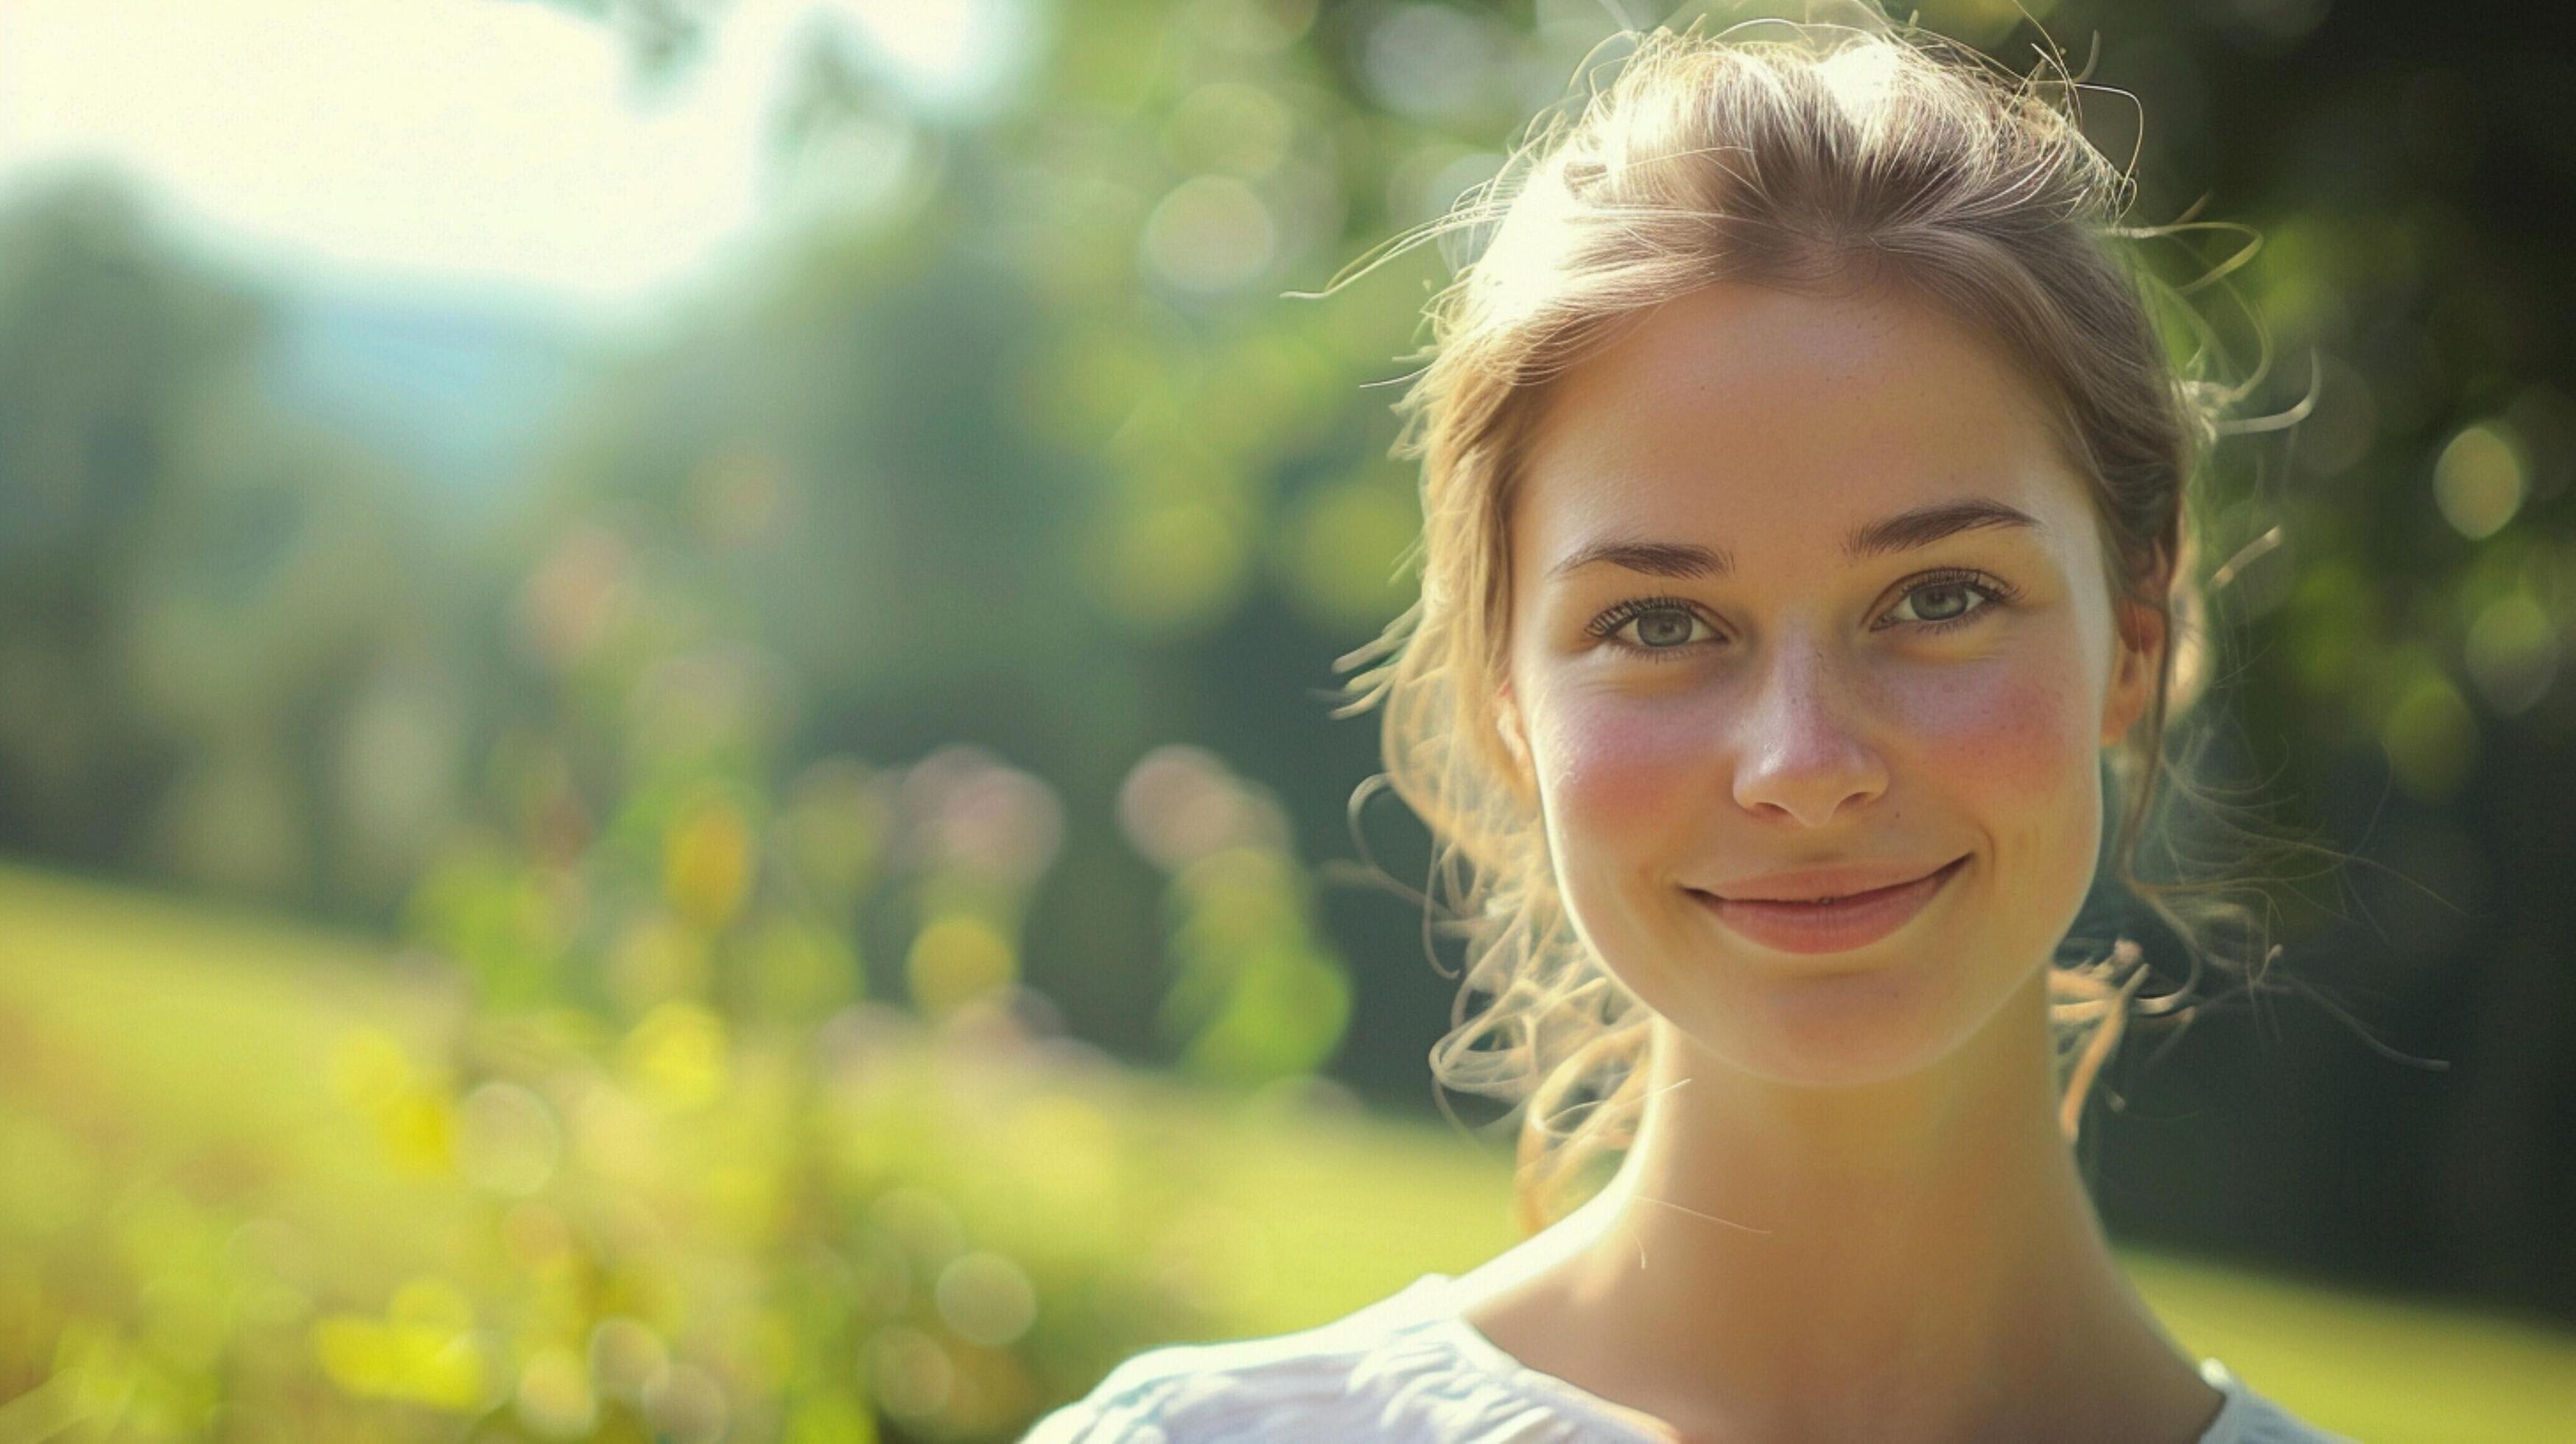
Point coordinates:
[(1336, 1380)]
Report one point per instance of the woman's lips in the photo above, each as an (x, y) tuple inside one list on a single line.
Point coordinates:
[(1835, 927)]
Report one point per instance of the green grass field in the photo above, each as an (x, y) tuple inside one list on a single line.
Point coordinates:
[(157, 1054)]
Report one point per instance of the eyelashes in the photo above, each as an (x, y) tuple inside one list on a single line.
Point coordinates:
[(1994, 591)]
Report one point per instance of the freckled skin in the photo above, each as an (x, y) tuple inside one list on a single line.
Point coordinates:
[(1801, 724)]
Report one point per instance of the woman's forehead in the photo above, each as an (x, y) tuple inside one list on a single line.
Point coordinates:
[(1764, 408)]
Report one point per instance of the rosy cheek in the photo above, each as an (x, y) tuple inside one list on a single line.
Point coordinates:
[(2013, 754), (2014, 734), (1621, 766)]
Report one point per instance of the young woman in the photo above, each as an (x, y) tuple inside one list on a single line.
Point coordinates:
[(1804, 489)]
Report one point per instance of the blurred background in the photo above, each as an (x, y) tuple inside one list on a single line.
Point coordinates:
[(665, 767)]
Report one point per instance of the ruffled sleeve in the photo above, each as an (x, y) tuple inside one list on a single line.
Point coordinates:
[(1390, 1374), (2250, 1418)]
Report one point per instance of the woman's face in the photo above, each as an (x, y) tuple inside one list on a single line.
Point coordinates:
[(1799, 583)]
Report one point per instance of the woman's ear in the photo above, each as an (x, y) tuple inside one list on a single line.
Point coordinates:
[(2139, 636)]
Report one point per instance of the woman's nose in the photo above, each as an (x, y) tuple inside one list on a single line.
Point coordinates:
[(1800, 751)]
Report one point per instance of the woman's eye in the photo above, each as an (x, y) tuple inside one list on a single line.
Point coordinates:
[(1950, 601), (1663, 628)]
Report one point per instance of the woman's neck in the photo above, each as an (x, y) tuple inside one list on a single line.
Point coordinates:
[(1912, 1260)]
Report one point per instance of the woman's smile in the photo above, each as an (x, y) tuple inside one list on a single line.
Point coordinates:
[(1835, 926)]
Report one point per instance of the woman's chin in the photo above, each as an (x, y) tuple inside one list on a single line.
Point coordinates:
[(1843, 1028)]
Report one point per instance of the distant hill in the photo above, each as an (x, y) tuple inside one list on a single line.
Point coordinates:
[(464, 395)]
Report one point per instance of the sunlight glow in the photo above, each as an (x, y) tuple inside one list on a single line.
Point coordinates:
[(488, 142)]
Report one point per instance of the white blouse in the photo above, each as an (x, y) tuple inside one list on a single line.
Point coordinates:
[(1410, 1369)]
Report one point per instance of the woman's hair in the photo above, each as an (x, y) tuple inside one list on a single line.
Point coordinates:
[(1827, 157)]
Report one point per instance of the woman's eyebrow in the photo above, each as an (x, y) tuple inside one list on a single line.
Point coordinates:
[(1904, 531), (1925, 525)]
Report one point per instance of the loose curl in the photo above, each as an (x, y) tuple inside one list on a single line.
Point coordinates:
[(1840, 156)]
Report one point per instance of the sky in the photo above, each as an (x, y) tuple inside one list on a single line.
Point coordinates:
[(493, 145)]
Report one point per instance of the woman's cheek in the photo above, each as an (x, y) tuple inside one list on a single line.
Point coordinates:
[(2012, 739), (1620, 768), (2013, 754)]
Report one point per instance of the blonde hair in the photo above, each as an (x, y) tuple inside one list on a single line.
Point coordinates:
[(1838, 155)]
